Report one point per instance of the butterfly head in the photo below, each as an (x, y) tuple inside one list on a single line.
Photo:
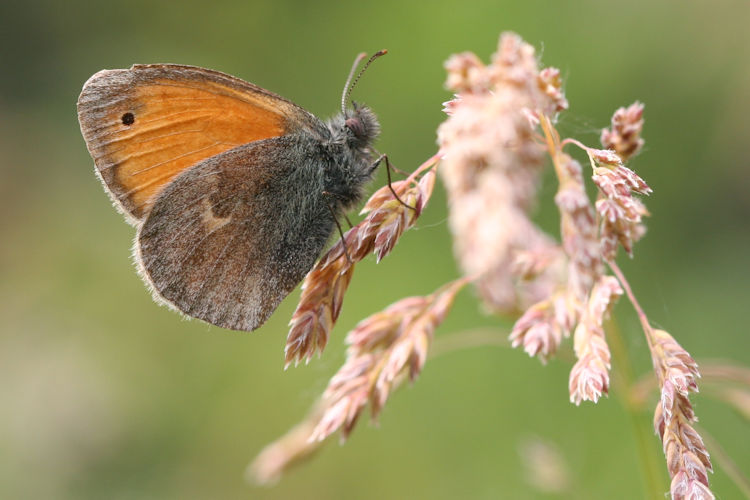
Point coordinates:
[(361, 126)]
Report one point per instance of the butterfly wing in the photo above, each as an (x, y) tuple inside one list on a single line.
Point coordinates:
[(145, 125), (229, 238)]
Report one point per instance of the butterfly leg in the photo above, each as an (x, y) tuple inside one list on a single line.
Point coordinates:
[(393, 167), (388, 173), (341, 233), (346, 217)]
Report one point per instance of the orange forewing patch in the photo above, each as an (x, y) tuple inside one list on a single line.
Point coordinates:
[(146, 125), (174, 128)]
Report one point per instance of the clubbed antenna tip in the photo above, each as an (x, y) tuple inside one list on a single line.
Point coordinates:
[(349, 83)]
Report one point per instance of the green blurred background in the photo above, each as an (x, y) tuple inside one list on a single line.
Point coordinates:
[(106, 395)]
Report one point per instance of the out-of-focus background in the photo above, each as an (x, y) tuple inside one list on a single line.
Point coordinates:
[(104, 394)]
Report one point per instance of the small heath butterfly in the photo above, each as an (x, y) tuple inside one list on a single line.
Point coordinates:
[(234, 190)]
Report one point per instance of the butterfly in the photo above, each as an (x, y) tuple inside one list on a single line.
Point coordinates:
[(234, 190)]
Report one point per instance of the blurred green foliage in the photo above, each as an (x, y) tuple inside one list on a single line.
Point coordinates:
[(106, 395)]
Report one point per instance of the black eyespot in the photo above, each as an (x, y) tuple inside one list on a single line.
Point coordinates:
[(128, 119)]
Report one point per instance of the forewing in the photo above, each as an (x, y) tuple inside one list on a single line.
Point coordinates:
[(229, 238), (145, 125)]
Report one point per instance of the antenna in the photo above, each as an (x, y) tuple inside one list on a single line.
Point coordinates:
[(349, 83)]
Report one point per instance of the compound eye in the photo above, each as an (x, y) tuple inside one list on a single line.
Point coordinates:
[(355, 125)]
